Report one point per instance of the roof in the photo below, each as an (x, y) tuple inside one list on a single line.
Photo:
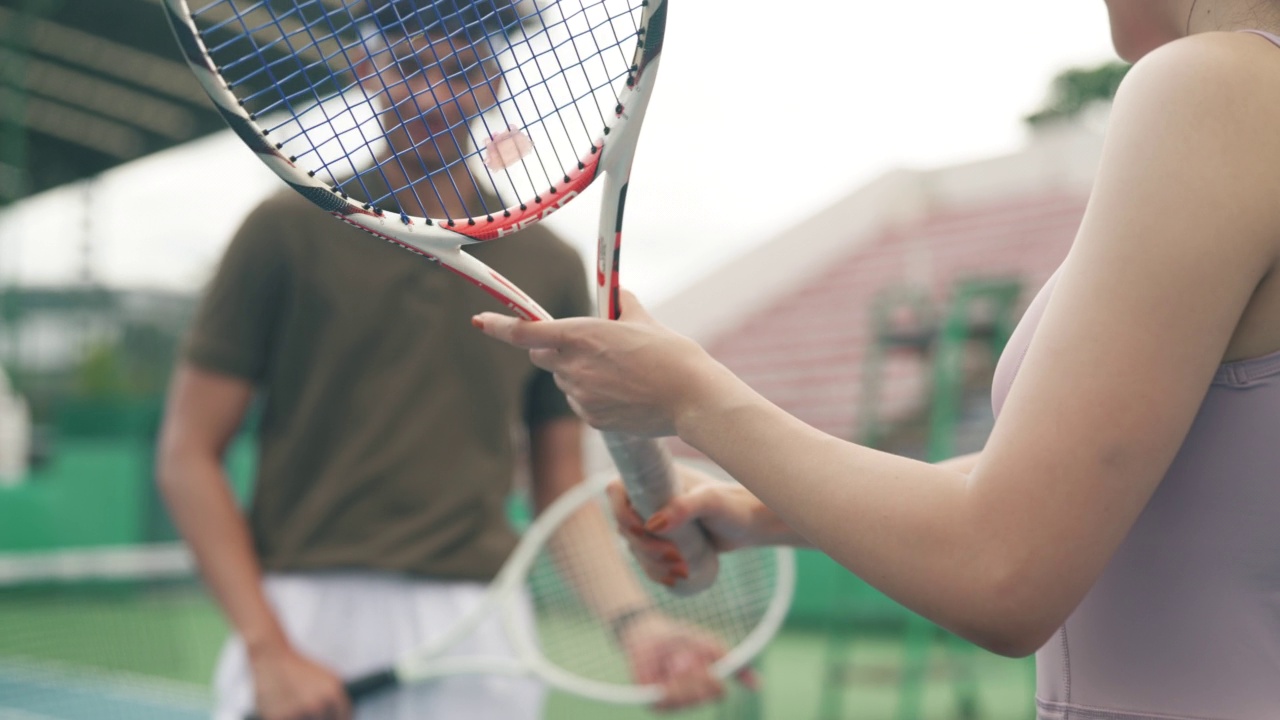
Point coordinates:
[(1059, 159), (89, 85), (805, 350)]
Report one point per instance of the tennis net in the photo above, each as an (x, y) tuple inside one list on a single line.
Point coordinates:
[(119, 633)]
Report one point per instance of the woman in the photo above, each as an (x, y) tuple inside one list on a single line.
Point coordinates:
[(1120, 518)]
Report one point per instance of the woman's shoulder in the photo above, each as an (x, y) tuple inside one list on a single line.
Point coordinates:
[(1243, 63), (1216, 92)]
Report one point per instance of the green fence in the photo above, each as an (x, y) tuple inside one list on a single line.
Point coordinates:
[(97, 489), (96, 486)]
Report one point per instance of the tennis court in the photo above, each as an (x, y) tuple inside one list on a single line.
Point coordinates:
[(104, 633), (127, 633), (53, 691), (101, 616)]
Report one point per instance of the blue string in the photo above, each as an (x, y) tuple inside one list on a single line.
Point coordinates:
[(291, 64)]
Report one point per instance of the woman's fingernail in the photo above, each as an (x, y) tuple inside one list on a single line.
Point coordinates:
[(681, 571), (476, 322), (671, 556), (657, 523)]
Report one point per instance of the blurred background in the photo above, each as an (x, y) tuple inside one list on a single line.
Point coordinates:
[(848, 203)]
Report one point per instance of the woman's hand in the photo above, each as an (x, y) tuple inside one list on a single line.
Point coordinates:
[(730, 515), (633, 376)]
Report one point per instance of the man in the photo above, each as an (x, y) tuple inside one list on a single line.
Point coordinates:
[(386, 448)]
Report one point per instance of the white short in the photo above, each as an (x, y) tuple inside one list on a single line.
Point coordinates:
[(356, 622)]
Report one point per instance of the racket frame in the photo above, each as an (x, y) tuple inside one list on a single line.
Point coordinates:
[(438, 240), (506, 597), (645, 466)]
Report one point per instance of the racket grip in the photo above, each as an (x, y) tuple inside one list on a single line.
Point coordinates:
[(649, 477), (367, 685), (359, 688)]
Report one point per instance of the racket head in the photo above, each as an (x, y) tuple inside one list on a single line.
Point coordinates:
[(438, 123), (573, 647), (471, 118)]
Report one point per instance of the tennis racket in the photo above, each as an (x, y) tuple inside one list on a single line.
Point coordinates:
[(581, 590), (437, 124)]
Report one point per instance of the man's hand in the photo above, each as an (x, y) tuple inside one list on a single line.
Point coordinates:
[(289, 686), (677, 657)]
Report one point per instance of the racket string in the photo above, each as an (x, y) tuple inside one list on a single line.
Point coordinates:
[(516, 133), (417, 165), (571, 40), (579, 585)]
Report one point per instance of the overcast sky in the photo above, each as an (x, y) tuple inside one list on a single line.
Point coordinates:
[(758, 119)]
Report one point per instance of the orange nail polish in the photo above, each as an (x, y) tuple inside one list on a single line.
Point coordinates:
[(657, 523), (477, 323)]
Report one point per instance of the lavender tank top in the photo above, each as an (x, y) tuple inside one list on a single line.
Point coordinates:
[(1184, 622)]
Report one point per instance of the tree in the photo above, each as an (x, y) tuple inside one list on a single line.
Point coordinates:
[(1077, 89), (101, 374)]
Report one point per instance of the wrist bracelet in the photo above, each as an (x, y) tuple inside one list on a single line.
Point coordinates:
[(623, 620)]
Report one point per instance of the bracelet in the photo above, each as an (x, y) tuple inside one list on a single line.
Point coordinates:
[(623, 620)]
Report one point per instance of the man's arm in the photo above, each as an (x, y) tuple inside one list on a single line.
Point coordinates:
[(584, 543), (203, 413), (555, 459), (585, 546)]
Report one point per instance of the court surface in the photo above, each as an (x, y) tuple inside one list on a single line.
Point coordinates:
[(132, 635)]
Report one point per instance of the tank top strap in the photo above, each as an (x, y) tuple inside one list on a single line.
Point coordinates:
[(1270, 36)]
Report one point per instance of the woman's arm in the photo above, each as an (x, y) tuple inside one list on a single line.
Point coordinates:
[(731, 516), (963, 464), (1143, 312), (1145, 308)]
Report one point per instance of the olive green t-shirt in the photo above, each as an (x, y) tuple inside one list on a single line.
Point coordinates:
[(386, 430)]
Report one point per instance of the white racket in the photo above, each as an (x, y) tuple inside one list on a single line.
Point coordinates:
[(343, 100), (580, 591)]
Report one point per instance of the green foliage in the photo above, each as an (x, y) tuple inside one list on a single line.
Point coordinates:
[(101, 374), (134, 366), (1075, 90), (150, 352), (123, 344)]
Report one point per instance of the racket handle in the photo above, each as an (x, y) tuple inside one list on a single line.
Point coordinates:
[(369, 684), (359, 688), (649, 476)]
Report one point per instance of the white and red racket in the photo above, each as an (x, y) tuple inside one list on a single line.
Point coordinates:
[(437, 124)]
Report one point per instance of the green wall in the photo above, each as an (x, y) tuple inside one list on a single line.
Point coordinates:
[(98, 491), (95, 492)]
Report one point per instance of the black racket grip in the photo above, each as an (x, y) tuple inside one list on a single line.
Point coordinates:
[(359, 688), (367, 685)]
